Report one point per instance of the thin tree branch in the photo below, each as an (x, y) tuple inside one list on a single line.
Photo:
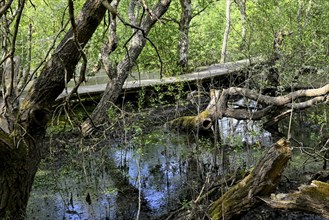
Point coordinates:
[(308, 103), (279, 100), (13, 45), (109, 7), (202, 9), (82, 53), (171, 20), (5, 7), (45, 58), (133, 19)]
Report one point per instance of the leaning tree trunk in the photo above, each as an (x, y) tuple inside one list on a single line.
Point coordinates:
[(260, 182), (184, 28), (115, 83), (20, 147)]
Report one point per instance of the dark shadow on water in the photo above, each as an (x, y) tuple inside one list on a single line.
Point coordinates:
[(149, 176)]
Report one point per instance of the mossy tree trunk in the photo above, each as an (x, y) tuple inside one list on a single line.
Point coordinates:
[(278, 107), (310, 198), (261, 181), (21, 143)]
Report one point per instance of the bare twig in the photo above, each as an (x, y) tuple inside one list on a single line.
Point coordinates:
[(13, 47), (5, 7), (202, 9), (114, 12), (45, 58)]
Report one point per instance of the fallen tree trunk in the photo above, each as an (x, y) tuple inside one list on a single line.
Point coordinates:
[(261, 181), (277, 107), (310, 198), (201, 121)]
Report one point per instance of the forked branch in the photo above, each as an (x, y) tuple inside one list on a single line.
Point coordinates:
[(277, 107)]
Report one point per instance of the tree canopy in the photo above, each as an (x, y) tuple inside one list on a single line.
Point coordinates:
[(46, 44)]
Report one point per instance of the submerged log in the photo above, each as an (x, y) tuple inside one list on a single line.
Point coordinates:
[(310, 198), (260, 182)]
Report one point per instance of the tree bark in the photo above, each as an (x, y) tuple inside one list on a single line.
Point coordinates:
[(23, 80), (273, 76), (218, 106), (184, 28), (115, 84), (18, 167), (9, 91), (261, 181), (21, 145), (112, 44), (310, 198)]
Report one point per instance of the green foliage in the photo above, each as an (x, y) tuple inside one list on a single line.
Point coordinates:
[(46, 20), (141, 98), (306, 46), (166, 46), (206, 34)]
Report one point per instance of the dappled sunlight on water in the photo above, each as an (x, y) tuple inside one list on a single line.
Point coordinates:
[(234, 132), (158, 170)]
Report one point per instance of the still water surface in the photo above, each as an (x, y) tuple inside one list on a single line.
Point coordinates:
[(148, 176)]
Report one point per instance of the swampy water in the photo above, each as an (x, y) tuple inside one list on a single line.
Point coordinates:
[(147, 176)]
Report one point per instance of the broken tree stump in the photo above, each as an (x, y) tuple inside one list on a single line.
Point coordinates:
[(201, 121), (260, 182)]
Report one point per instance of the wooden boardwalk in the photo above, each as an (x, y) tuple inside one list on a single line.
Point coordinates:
[(212, 72)]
